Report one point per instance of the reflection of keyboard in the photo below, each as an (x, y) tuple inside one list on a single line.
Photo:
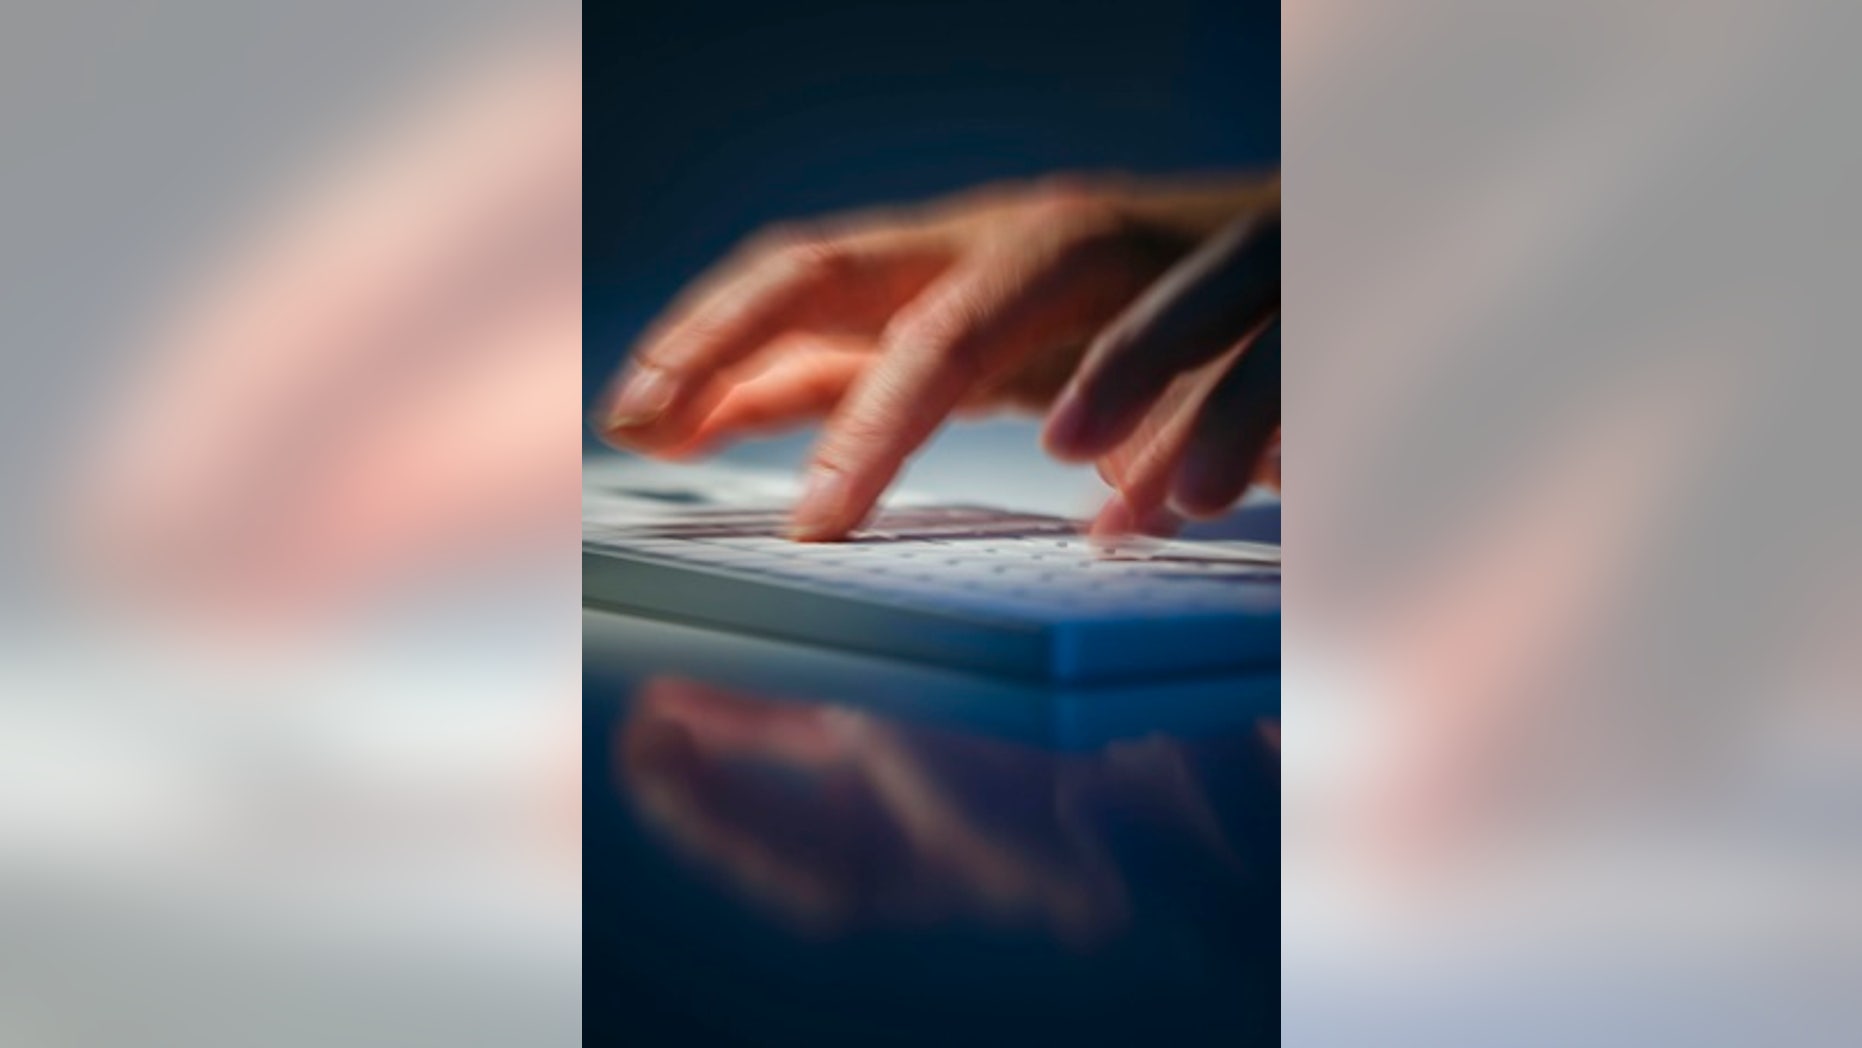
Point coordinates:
[(1005, 592)]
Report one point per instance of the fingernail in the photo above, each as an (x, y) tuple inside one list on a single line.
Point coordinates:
[(818, 513), (644, 397)]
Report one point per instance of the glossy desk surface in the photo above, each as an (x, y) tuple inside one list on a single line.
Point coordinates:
[(789, 845)]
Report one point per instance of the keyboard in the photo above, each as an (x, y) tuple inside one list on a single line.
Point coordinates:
[(1019, 594)]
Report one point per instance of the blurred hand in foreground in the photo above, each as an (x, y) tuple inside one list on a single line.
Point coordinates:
[(1144, 319), (371, 391)]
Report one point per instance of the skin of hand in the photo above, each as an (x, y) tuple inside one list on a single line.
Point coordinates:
[(1142, 317), (371, 392)]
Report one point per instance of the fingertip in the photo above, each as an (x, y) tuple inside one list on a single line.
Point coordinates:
[(813, 531), (1212, 476), (1114, 520), (1204, 500), (1120, 518), (818, 529), (822, 512), (619, 439), (1197, 504), (645, 395), (1267, 470), (638, 439)]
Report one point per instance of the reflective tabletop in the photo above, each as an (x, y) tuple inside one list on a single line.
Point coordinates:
[(792, 845)]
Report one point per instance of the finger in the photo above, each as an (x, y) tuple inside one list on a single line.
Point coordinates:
[(1143, 466), (1141, 478), (1267, 471), (980, 319), (802, 387), (673, 434), (785, 281), (1198, 310), (725, 723), (1232, 430), (346, 301), (469, 471), (1117, 519), (1031, 386)]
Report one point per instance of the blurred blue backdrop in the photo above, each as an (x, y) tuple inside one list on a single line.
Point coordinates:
[(705, 121)]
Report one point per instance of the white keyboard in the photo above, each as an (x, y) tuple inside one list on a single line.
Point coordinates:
[(1012, 593)]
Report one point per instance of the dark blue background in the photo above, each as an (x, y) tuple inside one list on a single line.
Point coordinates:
[(704, 121)]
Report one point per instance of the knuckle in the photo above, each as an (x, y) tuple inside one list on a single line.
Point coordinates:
[(948, 335), (703, 330), (986, 196), (1062, 193), (847, 445), (1080, 210), (1091, 234), (854, 437), (767, 240), (1092, 222), (799, 250)]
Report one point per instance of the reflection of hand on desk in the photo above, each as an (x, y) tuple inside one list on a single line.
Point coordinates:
[(834, 817), (375, 393)]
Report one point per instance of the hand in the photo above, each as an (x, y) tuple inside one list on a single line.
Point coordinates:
[(887, 323), (374, 390), (1179, 399)]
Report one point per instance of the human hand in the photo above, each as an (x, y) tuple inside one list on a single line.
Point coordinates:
[(371, 392), (887, 323), (1179, 398)]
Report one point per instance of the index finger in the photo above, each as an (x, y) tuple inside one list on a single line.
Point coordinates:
[(984, 316), (783, 281)]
